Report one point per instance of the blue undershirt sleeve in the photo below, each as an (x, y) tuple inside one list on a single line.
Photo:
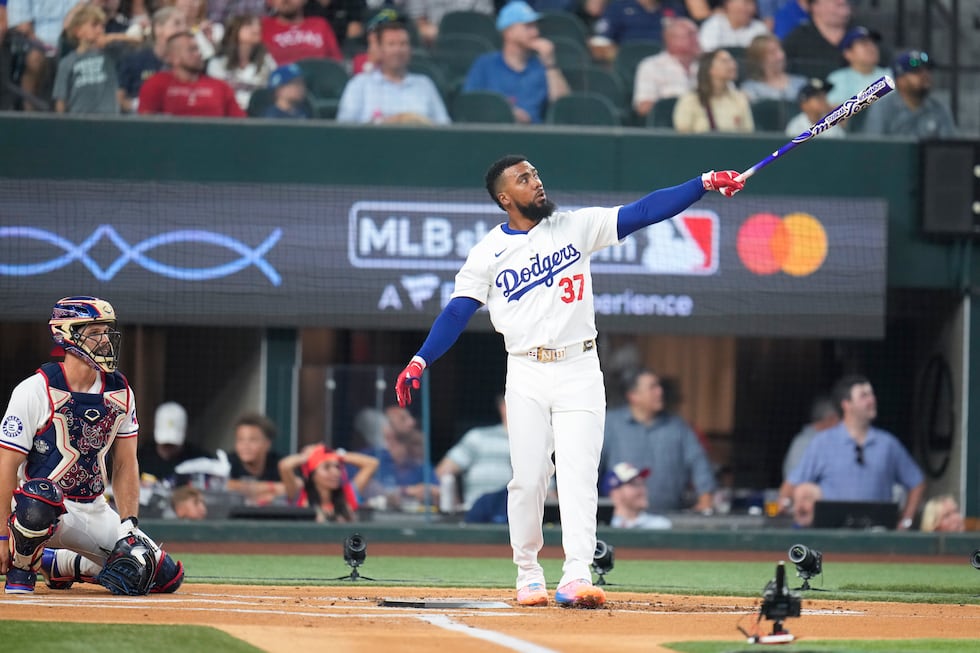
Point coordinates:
[(447, 327), (658, 206)]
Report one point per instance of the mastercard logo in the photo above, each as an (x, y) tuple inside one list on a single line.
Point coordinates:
[(795, 244)]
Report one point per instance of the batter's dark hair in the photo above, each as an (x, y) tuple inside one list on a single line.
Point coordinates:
[(496, 169), (842, 389)]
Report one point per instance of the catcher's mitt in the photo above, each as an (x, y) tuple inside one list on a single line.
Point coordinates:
[(130, 568)]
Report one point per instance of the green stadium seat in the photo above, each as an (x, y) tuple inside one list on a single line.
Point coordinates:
[(662, 114), (431, 69), (584, 109), (473, 23), (595, 79), (456, 52), (325, 78), (772, 115), (481, 106), (629, 56), (570, 53), (560, 23)]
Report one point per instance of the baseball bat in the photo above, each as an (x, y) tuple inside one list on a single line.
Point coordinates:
[(875, 91)]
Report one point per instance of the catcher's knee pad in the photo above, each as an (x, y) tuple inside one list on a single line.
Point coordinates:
[(169, 576), (38, 505)]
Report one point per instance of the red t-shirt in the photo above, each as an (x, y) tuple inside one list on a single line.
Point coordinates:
[(164, 93), (288, 43)]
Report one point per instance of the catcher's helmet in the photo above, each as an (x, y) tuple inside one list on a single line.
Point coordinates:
[(72, 314)]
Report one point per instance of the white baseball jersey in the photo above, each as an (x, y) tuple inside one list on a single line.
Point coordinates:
[(537, 284)]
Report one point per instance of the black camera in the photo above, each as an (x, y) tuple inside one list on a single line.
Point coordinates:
[(778, 602), (975, 559), (603, 560), (355, 550), (809, 562)]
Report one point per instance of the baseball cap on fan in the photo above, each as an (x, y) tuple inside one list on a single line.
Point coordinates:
[(284, 74), (515, 13), (911, 61), (623, 473), (170, 424), (814, 87), (856, 34)]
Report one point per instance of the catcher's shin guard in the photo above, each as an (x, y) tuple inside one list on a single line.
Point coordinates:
[(38, 505), (61, 568)]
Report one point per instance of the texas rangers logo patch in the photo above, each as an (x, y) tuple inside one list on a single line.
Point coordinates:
[(12, 427)]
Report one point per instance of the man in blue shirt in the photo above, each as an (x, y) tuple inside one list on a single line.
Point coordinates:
[(855, 461), (389, 93), (524, 70), (636, 20), (642, 433)]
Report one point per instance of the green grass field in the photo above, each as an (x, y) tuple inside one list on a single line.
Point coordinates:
[(933, 583)]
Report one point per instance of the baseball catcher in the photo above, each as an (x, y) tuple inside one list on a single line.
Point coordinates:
[(55, 437)]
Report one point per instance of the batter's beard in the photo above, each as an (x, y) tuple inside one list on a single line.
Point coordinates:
[(537, 212)]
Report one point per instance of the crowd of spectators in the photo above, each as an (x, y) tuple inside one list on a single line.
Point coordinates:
[(209, 58)]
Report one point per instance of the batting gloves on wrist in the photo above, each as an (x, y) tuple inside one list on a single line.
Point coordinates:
[(725, 182), (410, 379)]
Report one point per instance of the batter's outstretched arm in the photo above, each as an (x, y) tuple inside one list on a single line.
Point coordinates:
[(444, 332), (665, 203)]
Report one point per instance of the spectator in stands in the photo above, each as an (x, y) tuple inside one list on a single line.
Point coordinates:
[(482, 456), (524, 70), (716, 104), (854, 461), (222, 11), (188, 503), (345, 17), (642, 433), (323, 483), (391, 94), (788, 16), (669, 73), (34, 28), (365, 62), (631, 20), (860, 48), (402, 470), (184, 89), (3, 20), (139, 66), (766, 76), (733, 26), (86, 77), (290, 90), (910, 110), (489, 508), (170, 446), (254, 463), (823, 415), (813, 48), (427, 14), (207, 34), (942, 515), (243, 61), (290, 36), (628, 491), (813, 107), (115, 22)]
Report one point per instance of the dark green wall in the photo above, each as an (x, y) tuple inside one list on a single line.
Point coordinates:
[(632, 160)]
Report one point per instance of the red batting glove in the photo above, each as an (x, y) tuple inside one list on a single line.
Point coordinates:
[(410, 379), (724, 182)]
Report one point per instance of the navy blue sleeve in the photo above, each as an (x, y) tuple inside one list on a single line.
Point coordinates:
[(658, 206), (447, 327)]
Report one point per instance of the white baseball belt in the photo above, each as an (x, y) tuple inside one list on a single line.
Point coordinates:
[(545, 355)]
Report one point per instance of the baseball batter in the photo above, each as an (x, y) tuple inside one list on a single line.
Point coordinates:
[(533, 274), (59, 427)]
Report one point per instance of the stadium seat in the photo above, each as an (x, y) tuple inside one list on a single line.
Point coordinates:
[(570, 53), (456, 52), (595, 79), (560, 23), (584, 109), (772, 115), (481, 106), (426, 66), (629, 56), (472, 23), (325, 81), (662, 114)]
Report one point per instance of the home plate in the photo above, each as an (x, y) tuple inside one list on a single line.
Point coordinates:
[(443, 604)]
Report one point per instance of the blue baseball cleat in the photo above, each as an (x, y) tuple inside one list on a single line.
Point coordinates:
[(20, 581)]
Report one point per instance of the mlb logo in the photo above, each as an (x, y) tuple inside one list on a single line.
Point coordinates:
[(685, 244)]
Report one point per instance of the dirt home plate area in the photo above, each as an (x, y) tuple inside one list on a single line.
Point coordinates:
[(348, 617)]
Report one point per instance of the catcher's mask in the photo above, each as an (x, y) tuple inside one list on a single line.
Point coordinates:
[(69, 319)]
